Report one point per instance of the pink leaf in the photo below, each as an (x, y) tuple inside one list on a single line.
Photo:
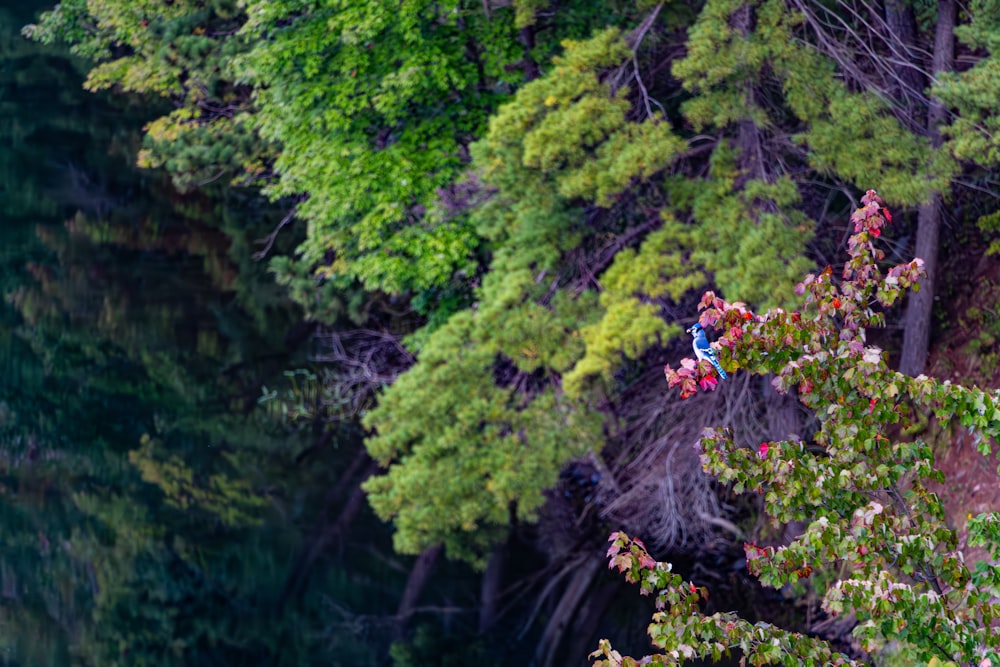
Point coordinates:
[(708, 383)]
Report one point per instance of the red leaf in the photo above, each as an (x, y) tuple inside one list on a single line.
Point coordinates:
[(762, 450), (709, 318), (755, 552), (688, 388), (871, 196), (708, 383)]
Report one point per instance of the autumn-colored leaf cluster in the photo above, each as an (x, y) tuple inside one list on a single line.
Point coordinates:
[(859, 483)]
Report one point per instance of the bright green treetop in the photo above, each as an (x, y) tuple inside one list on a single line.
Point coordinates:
[(483, 422)]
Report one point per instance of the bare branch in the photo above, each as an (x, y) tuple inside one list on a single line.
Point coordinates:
[(838, 38), (633, 40), (358, 363), (268, 240)]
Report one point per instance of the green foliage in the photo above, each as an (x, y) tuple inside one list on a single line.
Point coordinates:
[(465, 452), (393, 97), (176, 50), (573, 127), (139, 315), (631, 324), (171, 555), (684, 633), (730, 60), (377, 94), (973, 131), (232, 501), (428, 647), (383, 95), (494, 408), (861, 485), (750, 238), (890, 155), (981, 351), (523, 175), (990, 223)]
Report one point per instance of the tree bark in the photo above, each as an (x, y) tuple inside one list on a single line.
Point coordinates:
[(591, 613), (781, 412), (415, 584), (902, 24), (490, 590), (752, 163), (564, 615), (327, 530), (528, 65), (919, 310)]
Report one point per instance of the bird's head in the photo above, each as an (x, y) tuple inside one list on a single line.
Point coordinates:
[(694, 329)]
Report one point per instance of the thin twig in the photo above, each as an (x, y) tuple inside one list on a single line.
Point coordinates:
[(213, 179), (268, 240)]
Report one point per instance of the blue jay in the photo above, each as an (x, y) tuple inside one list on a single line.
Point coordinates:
[(702, 350)]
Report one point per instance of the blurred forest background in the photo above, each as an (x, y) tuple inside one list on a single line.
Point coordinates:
[(365, 362)]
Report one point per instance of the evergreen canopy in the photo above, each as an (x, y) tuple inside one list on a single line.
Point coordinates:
[(541, 187)]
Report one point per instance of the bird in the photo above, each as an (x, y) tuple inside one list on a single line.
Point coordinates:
[(703, 350)]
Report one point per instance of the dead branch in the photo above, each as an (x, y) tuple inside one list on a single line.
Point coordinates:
[(633, 40), (268, 240), (553, 582), (357, 363), (653, 485), (889, 64)]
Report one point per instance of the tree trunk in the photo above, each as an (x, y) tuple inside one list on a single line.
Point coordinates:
[(781, 412), (748, 139), (592, 612), (919, 309), (490, 590), (564, 615), (903, 27), (327, 530), (415, 584), (528, 65)]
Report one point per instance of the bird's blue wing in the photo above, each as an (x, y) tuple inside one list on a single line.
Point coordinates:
[(703, 350)]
